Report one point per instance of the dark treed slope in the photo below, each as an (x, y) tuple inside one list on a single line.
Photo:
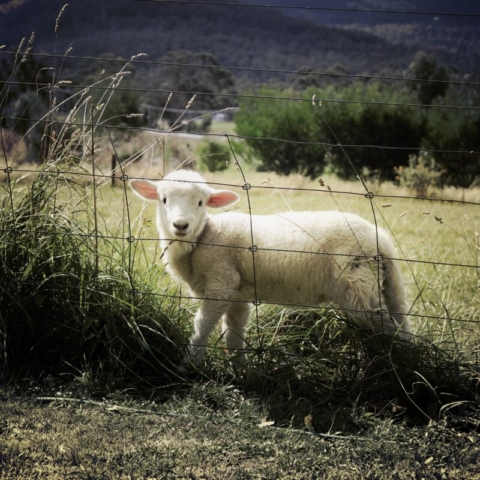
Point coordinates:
[(333, 14), (245, 37), (452, 39), (253, 37)]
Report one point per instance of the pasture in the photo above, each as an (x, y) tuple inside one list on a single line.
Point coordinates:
[(93, 329), (99, 329)]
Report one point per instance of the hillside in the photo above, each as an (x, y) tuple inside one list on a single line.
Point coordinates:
[(375, 12), (243, 37), (250, 37), (451, 33), (258, 44)]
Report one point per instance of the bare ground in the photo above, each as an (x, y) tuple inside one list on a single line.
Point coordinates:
[(60, 439)]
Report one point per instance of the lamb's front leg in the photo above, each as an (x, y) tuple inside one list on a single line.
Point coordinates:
[(205, 320)]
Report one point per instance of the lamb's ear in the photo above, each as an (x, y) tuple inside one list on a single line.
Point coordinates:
[(222, 198), (145, 189)]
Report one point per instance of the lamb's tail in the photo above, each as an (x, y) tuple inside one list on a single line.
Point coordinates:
[(395, 297)]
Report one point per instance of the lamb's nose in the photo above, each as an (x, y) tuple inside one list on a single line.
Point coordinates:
[(180, 225)]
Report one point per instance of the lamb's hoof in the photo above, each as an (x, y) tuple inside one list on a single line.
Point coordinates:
[(189, 364), (183, 369), (239, 370)]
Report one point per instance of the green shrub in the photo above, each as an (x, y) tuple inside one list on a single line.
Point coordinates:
[(454, 131), (432, 79), (376, 125), (214, 156), (261, 119), (421, 173), (319, 129)]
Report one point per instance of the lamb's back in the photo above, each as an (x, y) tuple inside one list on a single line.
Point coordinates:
[(295, 253), (324, 231)]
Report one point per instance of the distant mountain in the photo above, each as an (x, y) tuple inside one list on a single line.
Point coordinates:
[(447, 30), (345, 12), (245, 37)]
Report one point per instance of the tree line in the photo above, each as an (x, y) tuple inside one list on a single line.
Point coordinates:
[(370, 127), (351, 112)]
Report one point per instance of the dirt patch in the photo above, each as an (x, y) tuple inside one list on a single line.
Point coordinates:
[(58, 440)]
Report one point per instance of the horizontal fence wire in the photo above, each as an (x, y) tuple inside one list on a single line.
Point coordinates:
[(258, 302), (136, 61), (316, 8), (125, 178), (131, 240), (47, 86), (52, 122)]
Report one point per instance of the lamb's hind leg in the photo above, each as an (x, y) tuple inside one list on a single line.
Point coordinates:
[(234, 327)]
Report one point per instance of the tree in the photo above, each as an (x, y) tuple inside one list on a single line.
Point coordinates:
[(306, 135), (307, 78), (192, 72), (399, 130), (432, 80), (451, 132), (287, 121), (121, 102), (26, 100)]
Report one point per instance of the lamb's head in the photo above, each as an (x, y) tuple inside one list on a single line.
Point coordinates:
[(183, 197)]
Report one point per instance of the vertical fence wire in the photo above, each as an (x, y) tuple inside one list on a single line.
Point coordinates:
[(131, 241), (253, 248)]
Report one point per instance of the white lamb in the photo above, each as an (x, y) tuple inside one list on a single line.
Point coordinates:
[(232, 260)]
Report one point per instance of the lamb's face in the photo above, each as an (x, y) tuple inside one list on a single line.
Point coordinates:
[(182, 209), (183, 198)]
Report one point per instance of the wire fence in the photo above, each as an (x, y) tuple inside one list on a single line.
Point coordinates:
[(70, 97), (129, 238), (318, 8)]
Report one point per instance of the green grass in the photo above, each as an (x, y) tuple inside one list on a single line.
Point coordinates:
[(85, 301), (81, 303), (70, 304)]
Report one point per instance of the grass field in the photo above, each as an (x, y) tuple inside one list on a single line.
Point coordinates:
[(88, 314)]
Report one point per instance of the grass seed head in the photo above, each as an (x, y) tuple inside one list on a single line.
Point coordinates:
[(57, 22)]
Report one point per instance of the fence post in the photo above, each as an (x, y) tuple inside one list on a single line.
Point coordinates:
[(114, 163)]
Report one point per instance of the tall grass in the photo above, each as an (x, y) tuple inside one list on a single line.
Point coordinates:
[(83, 297), (71, 301), (67, 303)]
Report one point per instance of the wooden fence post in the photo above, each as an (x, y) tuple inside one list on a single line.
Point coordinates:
[(114, 164)]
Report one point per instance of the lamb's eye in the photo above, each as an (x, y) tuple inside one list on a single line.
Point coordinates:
[(200, 203), (165, 200)]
